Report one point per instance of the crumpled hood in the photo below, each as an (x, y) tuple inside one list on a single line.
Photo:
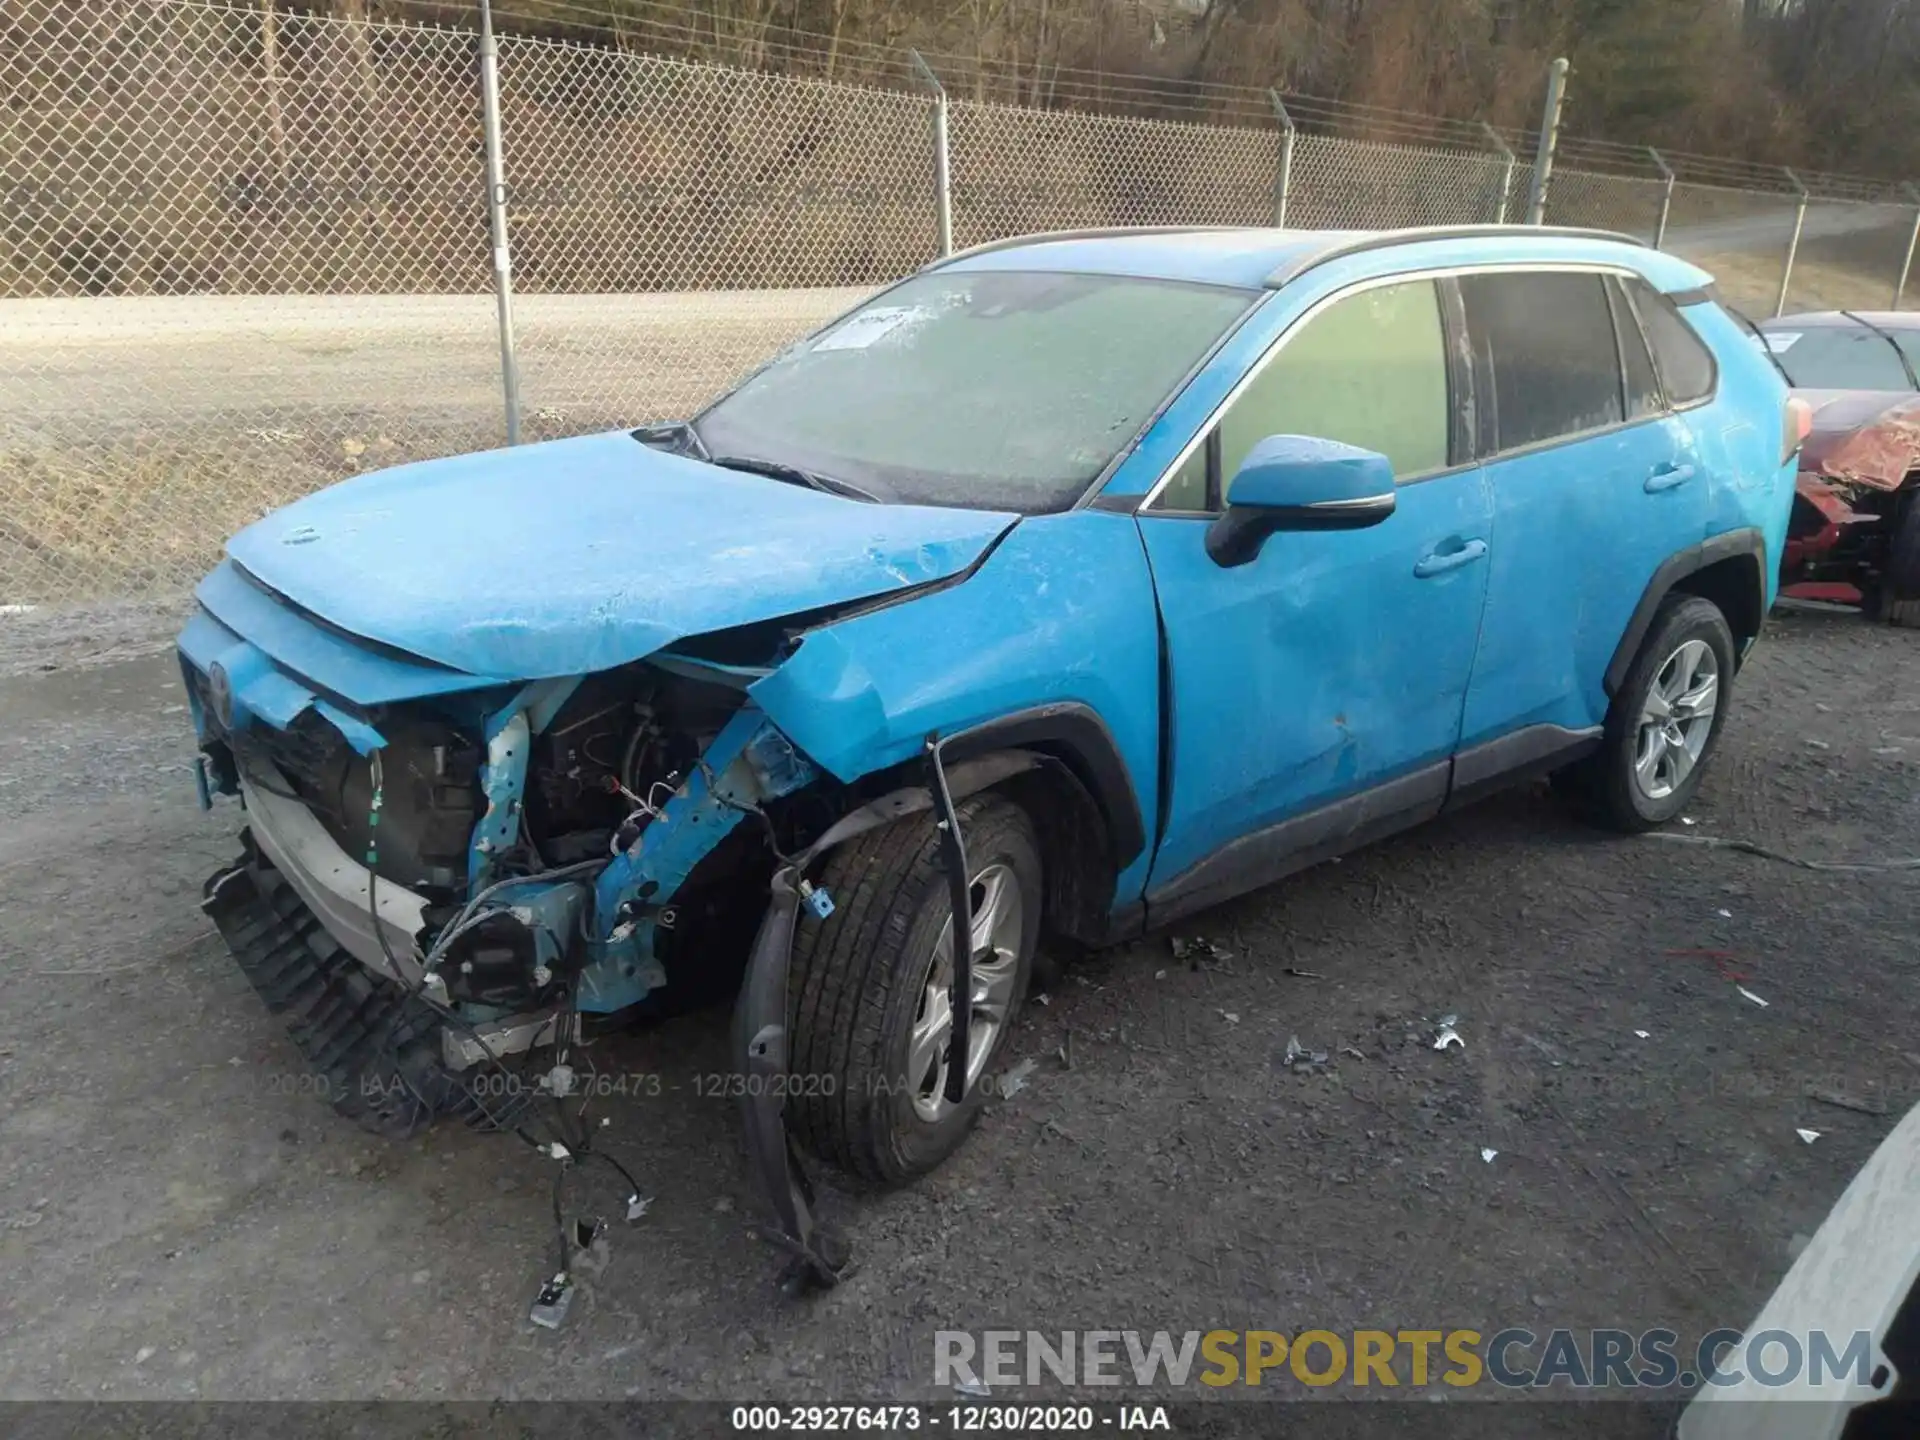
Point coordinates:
[(1869, 437), (579, 555)]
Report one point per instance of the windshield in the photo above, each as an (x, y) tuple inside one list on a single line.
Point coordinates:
[(1842, 357), (991, 389)]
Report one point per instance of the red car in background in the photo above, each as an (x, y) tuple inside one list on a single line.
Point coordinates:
[(1855, 531)]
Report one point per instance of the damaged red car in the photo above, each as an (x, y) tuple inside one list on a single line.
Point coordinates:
[(1855, 532)]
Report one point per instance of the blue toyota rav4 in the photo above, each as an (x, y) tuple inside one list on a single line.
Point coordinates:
[(1063, 588)]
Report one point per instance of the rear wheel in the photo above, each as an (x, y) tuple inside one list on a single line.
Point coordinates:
[(1663, 723), (870, 990)]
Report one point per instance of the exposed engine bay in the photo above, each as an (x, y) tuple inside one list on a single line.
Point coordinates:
[(428, 912), (575, 841), (560, 854)]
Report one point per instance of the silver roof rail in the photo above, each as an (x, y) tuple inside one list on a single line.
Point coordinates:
[(1098, 232), (1350, 244), (1385, 239)]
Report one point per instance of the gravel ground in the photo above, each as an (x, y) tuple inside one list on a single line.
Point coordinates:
[(178, 1219)]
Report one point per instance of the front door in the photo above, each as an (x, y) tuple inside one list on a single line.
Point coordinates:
[(1334, 665)]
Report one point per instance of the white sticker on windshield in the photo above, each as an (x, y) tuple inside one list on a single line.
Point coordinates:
[(1781, 341), (868, 326)]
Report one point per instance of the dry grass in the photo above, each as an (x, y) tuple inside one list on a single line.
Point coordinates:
[(145, 518), (1751, 282)]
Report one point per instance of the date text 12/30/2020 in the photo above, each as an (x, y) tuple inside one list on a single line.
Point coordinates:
[(957, 1419)]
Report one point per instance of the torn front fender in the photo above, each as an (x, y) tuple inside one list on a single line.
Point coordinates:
[(1061, 617), (747, 764)]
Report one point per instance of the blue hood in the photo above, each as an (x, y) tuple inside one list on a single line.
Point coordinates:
[(583, 554)]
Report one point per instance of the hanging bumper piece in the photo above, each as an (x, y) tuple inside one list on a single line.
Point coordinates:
[(818, 1256)]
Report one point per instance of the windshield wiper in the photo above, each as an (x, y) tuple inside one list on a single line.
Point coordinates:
[(1899, 353), (794, 475), (1765, 348), (677, 437)]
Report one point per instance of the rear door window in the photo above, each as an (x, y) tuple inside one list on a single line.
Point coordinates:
[(1547, 341), (1685, 364), (1643, 385)]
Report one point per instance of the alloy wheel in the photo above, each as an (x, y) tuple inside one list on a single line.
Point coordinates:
[(1676, 719), (998, 913)]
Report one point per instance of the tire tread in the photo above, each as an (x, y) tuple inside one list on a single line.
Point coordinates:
[(846, 970)]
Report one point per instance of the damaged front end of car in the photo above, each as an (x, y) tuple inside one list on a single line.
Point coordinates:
[(1853, 495), (494, 804), (440, 892), (435, 888)]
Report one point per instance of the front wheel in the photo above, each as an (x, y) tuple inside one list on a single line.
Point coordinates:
[(1663, 723), (870, 989), (1898, 599)]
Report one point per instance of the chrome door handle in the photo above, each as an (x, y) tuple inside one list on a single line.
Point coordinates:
[(1438, 562)]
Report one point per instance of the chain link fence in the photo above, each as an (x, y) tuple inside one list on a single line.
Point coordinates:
[(673, 224), (245, 253), (1364, 184), (1844, 247), (1017, 171), (241, 258), (1628, 204)]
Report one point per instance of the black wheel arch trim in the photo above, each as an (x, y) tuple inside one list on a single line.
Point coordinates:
[(1727, 545), (1075, 734)]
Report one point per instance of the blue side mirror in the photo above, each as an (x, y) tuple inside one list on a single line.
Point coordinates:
[(1299, 482)]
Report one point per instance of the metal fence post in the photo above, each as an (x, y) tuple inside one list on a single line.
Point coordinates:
[(1666, 198), (1282, 181), (1913, 243), (942, 166), (1506, 173), (1793, 245), (497, 218), (1549, 137)]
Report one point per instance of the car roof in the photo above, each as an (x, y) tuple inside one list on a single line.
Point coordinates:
[(1836, 319), (1264, 257)]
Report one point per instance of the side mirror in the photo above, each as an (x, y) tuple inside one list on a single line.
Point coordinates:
[(1297, 482)]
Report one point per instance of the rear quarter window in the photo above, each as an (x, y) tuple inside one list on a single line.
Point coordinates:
[(1686, 367)]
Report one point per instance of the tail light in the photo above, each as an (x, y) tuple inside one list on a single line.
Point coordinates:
[(1795, 425)]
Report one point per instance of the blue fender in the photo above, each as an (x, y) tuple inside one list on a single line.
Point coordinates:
[(1059, 620)]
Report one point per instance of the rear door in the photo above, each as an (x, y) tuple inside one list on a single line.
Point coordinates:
[(1595, 481)]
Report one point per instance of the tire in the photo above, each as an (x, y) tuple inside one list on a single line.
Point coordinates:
[(1898, 601), (860, 978), (1903, 550), (1609, 786)]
